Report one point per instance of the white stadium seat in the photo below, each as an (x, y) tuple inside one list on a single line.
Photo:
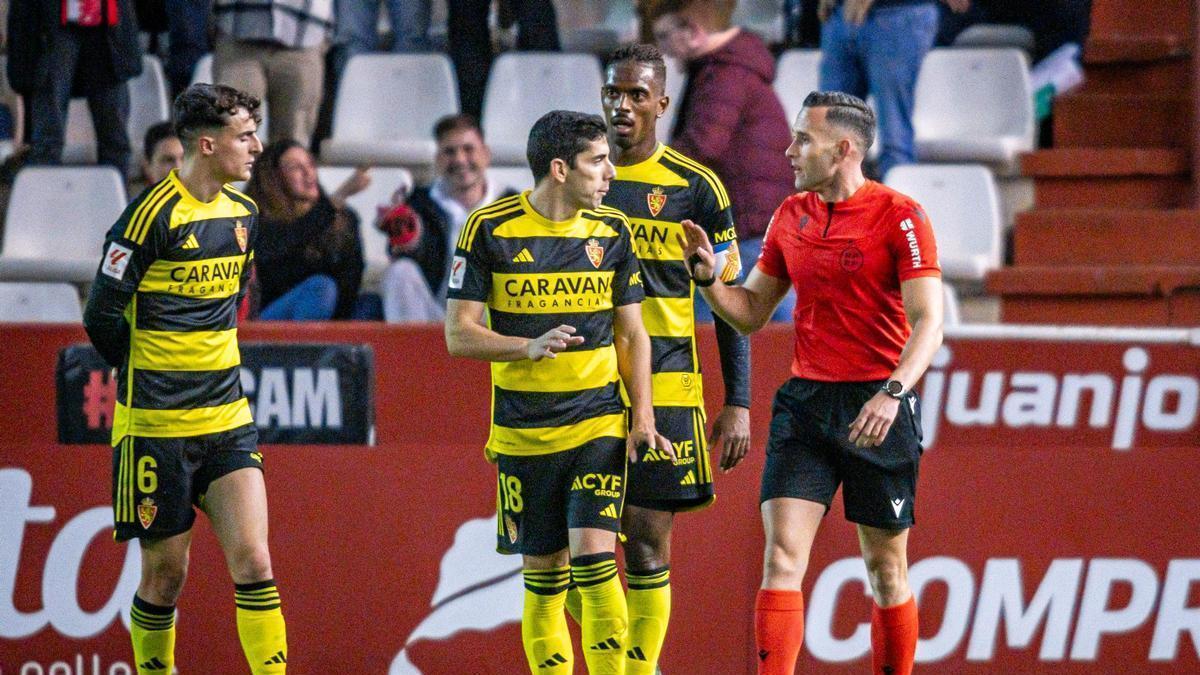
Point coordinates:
[(386, 107), (974, 105), (384, 181), (148, 105), (764, 17), (56, 221), (676, 81), (996, 35), (797, 74), (951, 312), (964, 206), (517, 178), (523, 86), (50, 303)]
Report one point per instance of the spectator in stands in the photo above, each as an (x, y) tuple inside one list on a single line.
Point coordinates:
[(275, 50), (358, 27), (729, 116), (875, 48), (470, 40), (308, 257), (162, 152), (187, 29), (87, 48), (422, 229)]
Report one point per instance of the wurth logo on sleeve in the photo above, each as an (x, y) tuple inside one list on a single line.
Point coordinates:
[(914, 250)]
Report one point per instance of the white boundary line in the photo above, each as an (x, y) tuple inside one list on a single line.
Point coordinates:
[(1074, 333)]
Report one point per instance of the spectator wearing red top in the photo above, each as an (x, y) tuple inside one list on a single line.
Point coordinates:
[(729, 119), (863, 262)]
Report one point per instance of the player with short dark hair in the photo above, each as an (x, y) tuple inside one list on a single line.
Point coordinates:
[(556, 272), (658, 188), (163, 311), (863, 261)]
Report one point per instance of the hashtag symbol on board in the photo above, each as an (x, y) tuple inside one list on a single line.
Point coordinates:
[(99, 398)]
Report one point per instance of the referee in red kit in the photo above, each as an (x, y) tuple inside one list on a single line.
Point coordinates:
[(868, 317)]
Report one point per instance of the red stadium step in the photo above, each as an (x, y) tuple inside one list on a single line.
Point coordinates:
[(1104, 120), (1107, 237), (1126, 47), (1109, 177), (1139, 17), (1163, 75), (1099, 295)]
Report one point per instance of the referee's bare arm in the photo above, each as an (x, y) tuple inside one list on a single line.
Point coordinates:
[(922, 298), (747, 307), (467, 336)]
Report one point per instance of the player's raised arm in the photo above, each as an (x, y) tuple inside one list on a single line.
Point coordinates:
[(747, 307)]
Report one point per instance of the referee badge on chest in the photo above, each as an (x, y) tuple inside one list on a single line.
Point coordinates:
[(656, 200), (242, 234), (595, 252)]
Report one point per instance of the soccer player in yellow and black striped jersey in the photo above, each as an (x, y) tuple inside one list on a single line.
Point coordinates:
[(163, 311), (558, 277), (658, 188)]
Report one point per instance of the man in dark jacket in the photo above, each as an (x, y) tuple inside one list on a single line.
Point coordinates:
[(63, 48), (729, 116), (422, 229)]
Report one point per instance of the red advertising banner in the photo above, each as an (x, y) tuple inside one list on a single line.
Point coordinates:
[(1056, 525)]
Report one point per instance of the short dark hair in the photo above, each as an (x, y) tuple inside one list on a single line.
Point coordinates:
[(644, 54), (459, 122), (560, 134), (157, 133), (846, 111), (207, 106)]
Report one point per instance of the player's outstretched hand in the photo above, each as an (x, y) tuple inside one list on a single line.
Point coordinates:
[(553, 341), (647, 437), (874, 420), (697, 251), (732, 431)]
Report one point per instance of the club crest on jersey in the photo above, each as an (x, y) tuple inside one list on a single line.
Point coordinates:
[(595, 252), (146, 512), (511, 526), (656, 200), (242, 234)]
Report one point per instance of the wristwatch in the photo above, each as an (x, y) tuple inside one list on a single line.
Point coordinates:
[(894, 388)]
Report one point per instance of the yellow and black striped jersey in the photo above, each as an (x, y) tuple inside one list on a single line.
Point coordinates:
[(180, 265), (535, 274), (657, 194)]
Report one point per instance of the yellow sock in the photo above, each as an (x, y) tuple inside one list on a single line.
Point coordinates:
[(152, 631), (649, 601), (575, 604), (261, 627), (543, 626), (605, 624)]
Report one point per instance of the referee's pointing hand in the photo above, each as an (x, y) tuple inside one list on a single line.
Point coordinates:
[(553, 341)]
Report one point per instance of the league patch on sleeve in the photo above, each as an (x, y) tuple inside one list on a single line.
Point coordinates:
[(116, 259), (458, 270)]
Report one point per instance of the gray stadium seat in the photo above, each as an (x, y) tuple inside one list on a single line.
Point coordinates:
[(56, 221), (34, 302), (797, 73)]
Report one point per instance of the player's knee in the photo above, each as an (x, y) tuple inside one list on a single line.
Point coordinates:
[(162, 581), (249, 564), (644, 554), (889, 580), (782, 568)]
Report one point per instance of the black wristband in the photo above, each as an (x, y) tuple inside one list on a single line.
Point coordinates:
[(694, 260)]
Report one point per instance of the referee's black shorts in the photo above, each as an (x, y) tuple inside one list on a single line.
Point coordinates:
[(809, 452)]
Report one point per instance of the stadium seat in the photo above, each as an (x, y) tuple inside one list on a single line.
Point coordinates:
[(523, 86), (996, 35), (676, 80), (384, 181), (50, 303), (974, 105), (148, 105), (386, 107), (951, 312), (764, 17), (56, 221), (964, 207), (797, 74), (517, 178)]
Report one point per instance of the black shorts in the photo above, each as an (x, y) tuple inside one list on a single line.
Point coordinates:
[(540, 497), (809, 453), (655, 482), (157, 481)]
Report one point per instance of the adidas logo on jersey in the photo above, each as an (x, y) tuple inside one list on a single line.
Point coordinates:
[(191, 242), (553, 662), (610, 511), (523, 257), (152, 664), (278, 658), (689, 479)]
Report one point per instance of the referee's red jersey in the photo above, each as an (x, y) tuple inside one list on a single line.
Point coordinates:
[(846, 261)]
